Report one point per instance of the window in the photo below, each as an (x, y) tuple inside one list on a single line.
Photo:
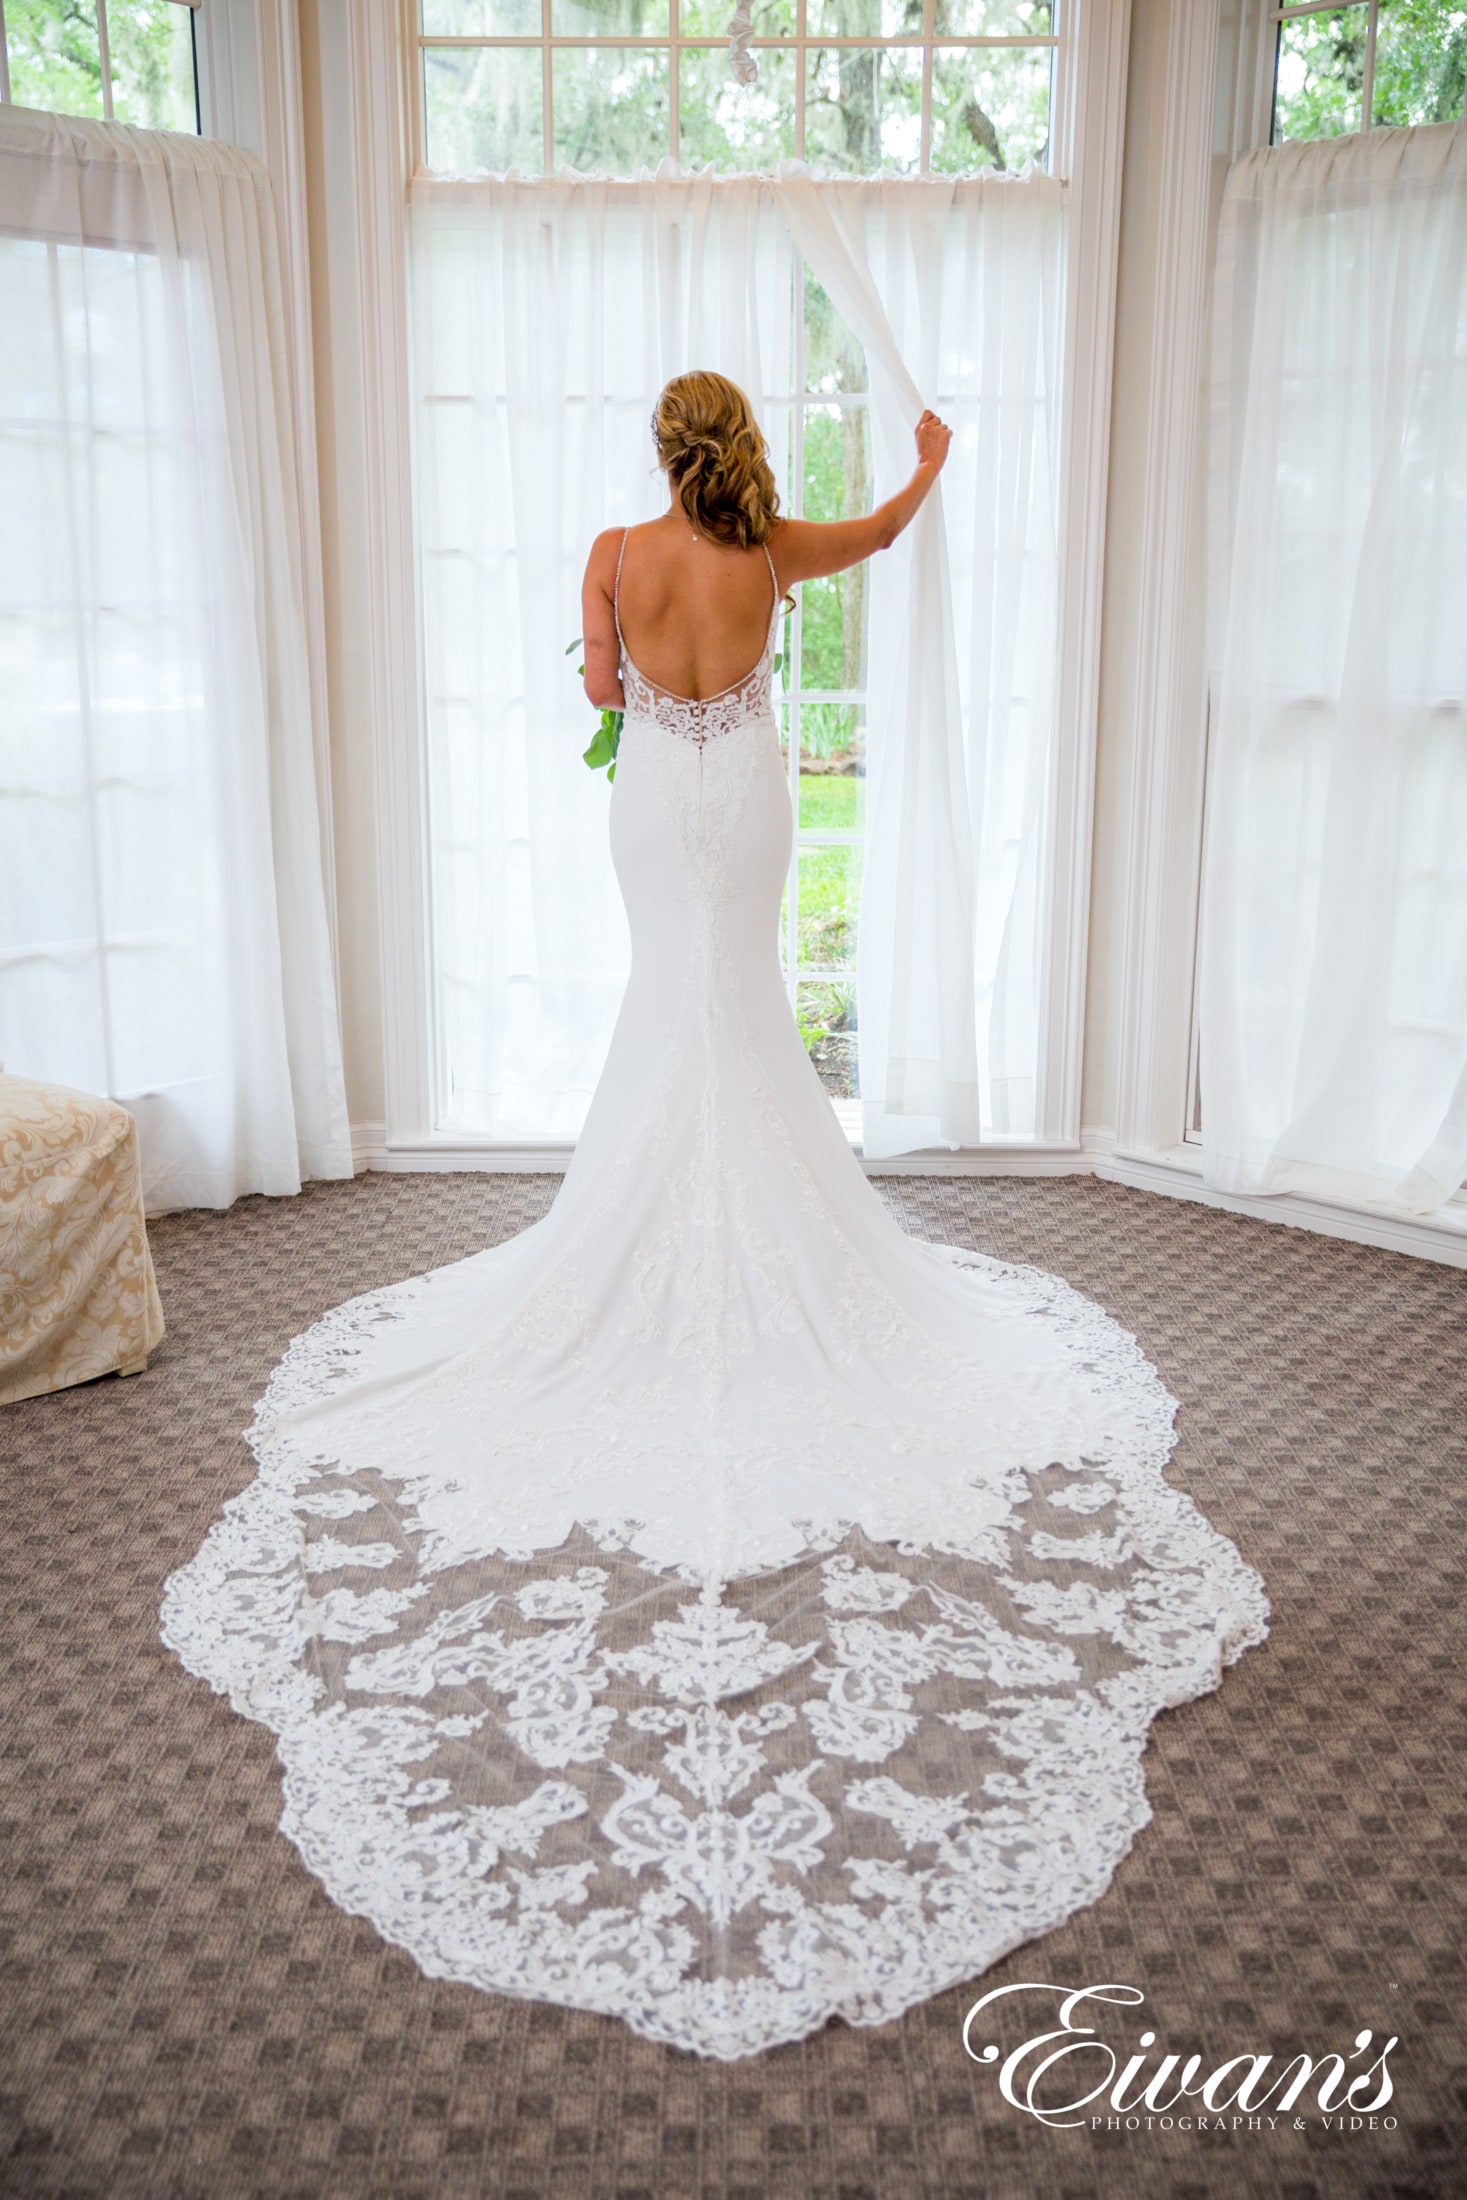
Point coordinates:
[(826, 475), (1379, 62), (854, 86), (560, 310), (120, 60)]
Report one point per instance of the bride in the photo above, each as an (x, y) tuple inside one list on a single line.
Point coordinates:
[(712, 1606)]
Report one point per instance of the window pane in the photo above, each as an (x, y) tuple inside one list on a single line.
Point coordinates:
[(837, 485), (482, 18), (483, 112), (609, 18), (993, 18), (833, 358), (710, 19), (735, 125), (55, 60), (863, 18), (832, 768), (611, 109), (863, 109), (151, 44), (830, 892), (837, 465), (990, 110), (832, 629), (1420, 62), (827, 1019), (1320, 74)]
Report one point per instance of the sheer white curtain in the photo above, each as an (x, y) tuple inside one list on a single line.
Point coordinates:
[(1333, 1015), (955, 292), (548, 316), (163, 930)]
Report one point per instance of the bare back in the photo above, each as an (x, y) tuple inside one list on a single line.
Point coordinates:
[(695, 616)]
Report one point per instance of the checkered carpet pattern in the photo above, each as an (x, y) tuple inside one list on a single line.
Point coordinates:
[(184, 2015)]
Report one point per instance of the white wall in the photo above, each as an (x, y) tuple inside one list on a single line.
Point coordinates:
[(1142, 185), (340, 330)]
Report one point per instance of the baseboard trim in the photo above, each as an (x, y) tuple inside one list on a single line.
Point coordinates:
[(368, 1147), (1177, 1174), (1174, 1174)]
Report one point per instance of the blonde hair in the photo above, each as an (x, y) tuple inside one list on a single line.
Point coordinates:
[(709, 442)]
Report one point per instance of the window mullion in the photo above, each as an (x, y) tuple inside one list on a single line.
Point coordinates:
[(794, 666), (674, 85), (1367, 88), (802, 62), (547, 119), (929, 13), (104, 56), (4, 61)]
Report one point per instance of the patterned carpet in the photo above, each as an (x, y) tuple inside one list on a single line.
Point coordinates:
[(184, 2013)]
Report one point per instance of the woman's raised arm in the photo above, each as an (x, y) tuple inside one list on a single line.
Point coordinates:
[(806, 550)]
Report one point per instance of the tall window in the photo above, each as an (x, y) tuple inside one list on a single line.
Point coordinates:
[(909, 86), (865, 86), (826, 475), (120, 60), (1375, 63)]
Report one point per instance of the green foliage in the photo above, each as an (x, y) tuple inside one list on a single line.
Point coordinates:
[(1420, 68), (830, 887), (826, 1016), (829, 802), (606, 740), (56, 62), (1420, 62), (604, 743)]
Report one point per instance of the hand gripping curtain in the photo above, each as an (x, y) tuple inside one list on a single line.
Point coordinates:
[(548, 315), (163, 927), (1333, 1009)]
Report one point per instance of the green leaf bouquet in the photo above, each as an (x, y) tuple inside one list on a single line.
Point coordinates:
[(607, 738)]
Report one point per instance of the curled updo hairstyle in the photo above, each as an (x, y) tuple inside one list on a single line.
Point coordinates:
[(709, 443)]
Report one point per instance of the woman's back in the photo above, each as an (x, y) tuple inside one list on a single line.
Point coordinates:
[(694, 615)]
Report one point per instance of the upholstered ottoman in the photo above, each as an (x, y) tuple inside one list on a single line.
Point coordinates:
[(77, 1295)]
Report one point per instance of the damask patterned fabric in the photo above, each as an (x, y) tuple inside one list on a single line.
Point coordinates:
[(77, 1295)]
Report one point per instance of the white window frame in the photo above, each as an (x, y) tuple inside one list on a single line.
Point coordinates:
[(373, 56), (1277, 16), (1218, 103), (104, 55), (247, 82), (800, 42)]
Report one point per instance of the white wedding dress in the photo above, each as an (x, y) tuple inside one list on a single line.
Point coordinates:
[(713, 1607)]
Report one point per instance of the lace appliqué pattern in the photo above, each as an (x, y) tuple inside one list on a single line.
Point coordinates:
[(712, 1607), (727, 1772)]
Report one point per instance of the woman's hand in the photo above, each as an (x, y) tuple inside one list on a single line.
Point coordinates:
[(933, 438)]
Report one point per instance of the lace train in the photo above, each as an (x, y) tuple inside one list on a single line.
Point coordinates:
[(722, 1813), (712, 1607)]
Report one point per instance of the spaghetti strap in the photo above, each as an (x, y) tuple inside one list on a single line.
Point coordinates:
[(616, 591), (636, 683)]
